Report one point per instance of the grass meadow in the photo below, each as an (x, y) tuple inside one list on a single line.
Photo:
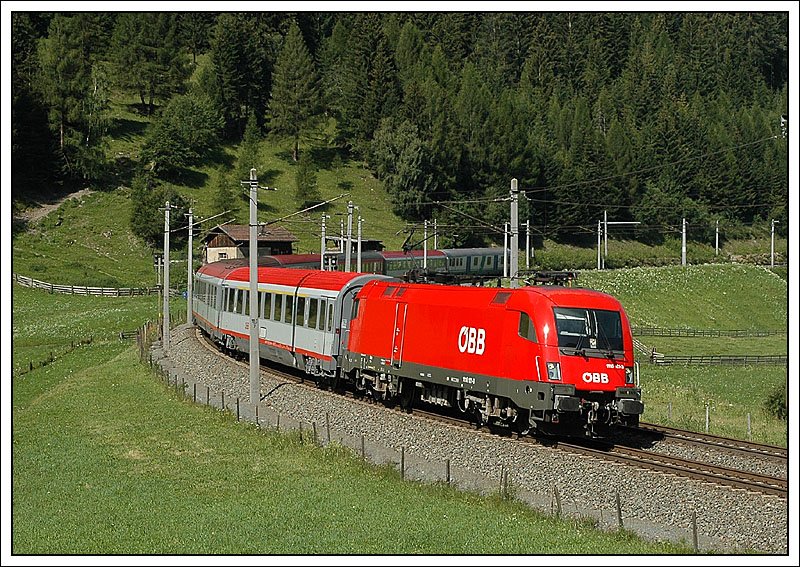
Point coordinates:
[(107, 460)]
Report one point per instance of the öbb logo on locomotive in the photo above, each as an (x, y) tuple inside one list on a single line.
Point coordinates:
[(472, 340), (595, 377)]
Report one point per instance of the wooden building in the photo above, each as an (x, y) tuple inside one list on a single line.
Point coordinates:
[(233, 241)]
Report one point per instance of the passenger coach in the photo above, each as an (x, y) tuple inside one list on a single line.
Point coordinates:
[(303, 315)]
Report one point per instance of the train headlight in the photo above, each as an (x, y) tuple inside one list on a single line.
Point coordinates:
[(553, 371), (629, 375)]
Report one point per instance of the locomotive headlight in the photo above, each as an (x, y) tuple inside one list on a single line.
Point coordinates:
[(553, 371), (629, 375)]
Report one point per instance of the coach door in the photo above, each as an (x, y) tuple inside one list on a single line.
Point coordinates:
[(400, 313)]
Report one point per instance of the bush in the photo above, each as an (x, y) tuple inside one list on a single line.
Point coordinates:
[(776, 403)]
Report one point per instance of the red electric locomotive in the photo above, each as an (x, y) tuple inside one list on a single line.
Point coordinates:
[(548, 358)]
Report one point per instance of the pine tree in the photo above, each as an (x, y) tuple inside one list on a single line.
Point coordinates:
[(147, 56), (306, 190), (295, 89), (248, 151), (75, 93)]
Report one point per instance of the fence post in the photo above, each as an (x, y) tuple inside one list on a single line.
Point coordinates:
[(707, 417), (402, 463), (558, 502), (619, 512), (694, 532), (447, 470), (328, 426), (749, 429)]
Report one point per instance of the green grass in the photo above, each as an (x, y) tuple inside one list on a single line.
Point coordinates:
[(86, 241), (107, 460), (676, 396), (697, 297), (37, 333)]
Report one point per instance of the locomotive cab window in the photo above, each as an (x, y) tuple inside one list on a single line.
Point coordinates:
[(526, 328), (580, 329)]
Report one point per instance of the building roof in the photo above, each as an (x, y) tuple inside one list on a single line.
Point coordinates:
[(241, 233)]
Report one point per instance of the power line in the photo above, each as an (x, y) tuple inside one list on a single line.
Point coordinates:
[(648, 169)]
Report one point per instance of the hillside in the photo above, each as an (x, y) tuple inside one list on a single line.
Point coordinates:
[(699, 297)]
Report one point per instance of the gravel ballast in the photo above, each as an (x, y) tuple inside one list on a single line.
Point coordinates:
[(656, 506)]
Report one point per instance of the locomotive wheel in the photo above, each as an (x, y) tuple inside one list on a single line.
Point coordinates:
[(407, 397)]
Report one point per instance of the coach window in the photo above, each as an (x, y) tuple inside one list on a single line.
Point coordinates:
[(526, 328), (312, 313), (322, 306), (267, 305), (289, 315), (278, 307), (230, 293), (301, 311), (330, 317), (244, 307)]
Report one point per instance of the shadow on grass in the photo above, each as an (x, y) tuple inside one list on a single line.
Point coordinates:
[(124, 129), (329, 157)]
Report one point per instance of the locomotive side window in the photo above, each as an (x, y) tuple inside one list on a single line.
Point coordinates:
[(526, 328), (354, 313)]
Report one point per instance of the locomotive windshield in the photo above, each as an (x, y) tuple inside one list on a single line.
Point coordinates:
[(583, 329)]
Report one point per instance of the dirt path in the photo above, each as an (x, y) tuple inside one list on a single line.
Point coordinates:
[(36, 214)]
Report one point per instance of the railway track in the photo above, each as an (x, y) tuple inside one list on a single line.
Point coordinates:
[(626, 455), (684, 468), (735, 446)]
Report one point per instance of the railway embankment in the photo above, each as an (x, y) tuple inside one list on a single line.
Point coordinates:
[(655, 506)]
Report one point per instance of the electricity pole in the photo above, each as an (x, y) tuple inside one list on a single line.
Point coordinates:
[(425, 245), (514, 234), (255, 382), (165, 321), (528, 244), (505, 250), (683, 242), (189, 274), (322, 246), (255, 359), (358, 263), (348, 251)]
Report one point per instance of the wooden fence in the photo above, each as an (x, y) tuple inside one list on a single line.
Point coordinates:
[(84, 290), (662, 332), (706, 359)]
